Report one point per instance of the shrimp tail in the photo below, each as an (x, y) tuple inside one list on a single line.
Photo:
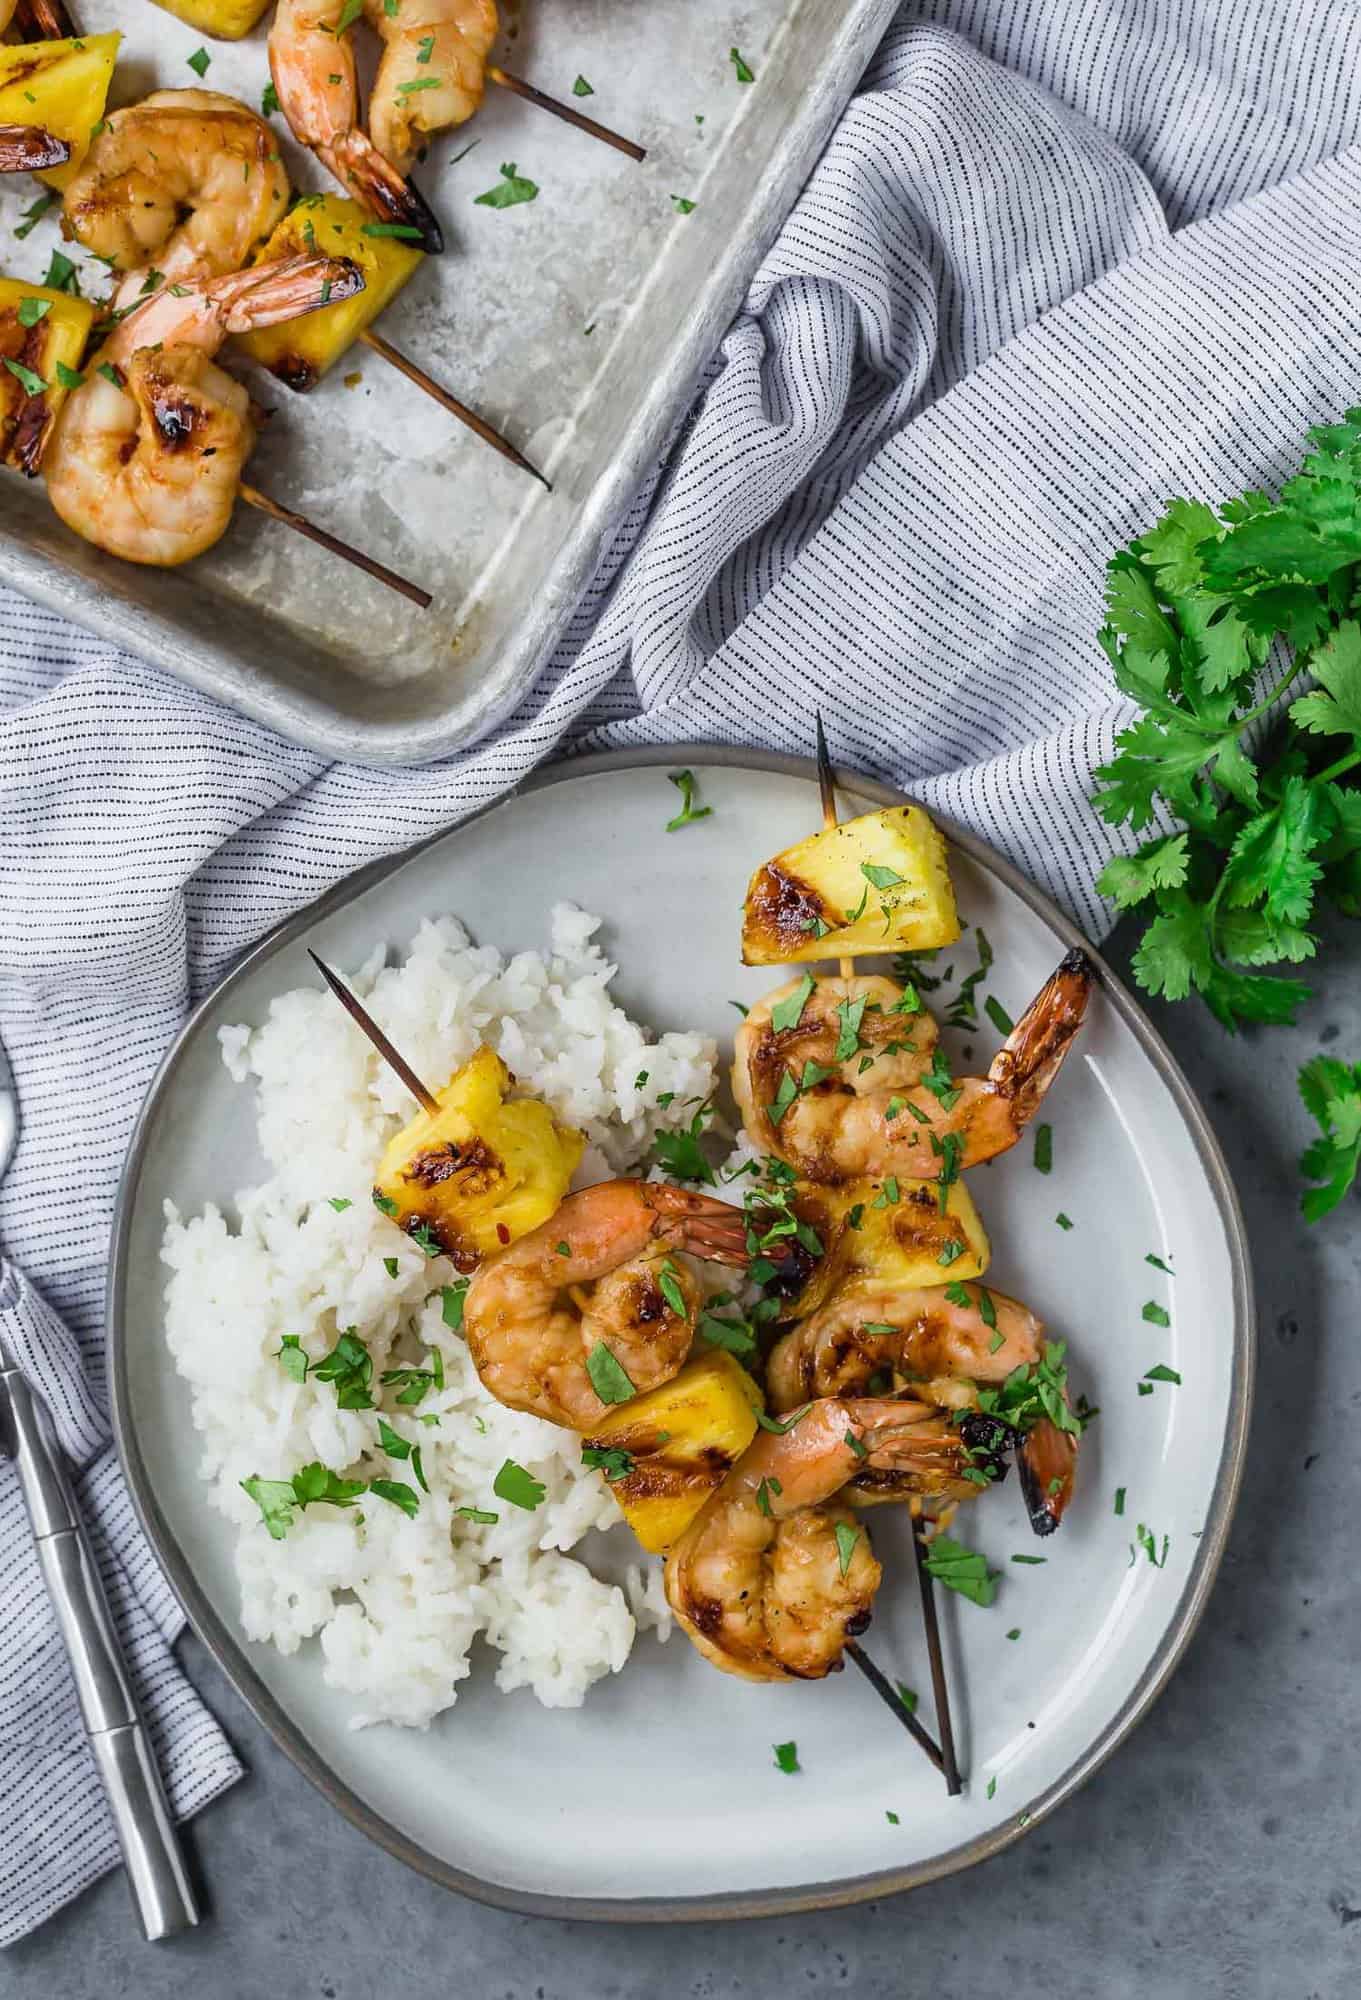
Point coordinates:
[(356, 162), (28, 149), (283, 289), (698, 1223), (1047, 1463), (1029, 1059), (43, 21)]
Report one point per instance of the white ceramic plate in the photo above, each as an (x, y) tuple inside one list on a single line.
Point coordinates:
[(661, 1798)]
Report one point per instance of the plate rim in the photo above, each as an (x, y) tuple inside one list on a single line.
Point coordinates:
[(229, 1650)]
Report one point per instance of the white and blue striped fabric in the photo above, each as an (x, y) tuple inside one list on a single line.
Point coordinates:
[(1063, 259)]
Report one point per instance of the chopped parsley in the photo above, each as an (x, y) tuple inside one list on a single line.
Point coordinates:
[(1145, 1539), (850, 1013), (383, 1202), (1063, 1221), (1044, 1148), (734, 1336), (482, 1515), (280, 1499), (34, 215), (30, 311), (846, 1539), (510, 190), (392, 1442), (950, 1253), (1162, 1373), (1033, 1391), (1015, 1632), (1119, 1499), (881, 878), (433, 83), (520, 1488), (31, 384), (998, 1015), (62, 275), (961, 1569), (1155, 1314), (269, 99), (390, 1266), (612, 1460), (200, 59), (1158, 1264), (451, 1304), (787, 1013), (69, 378), (398, 1494), (680, 1153), (1032, 1562), (786, 1757), (778, 1426), (683, 206), (349, 1369), (764, 1491), (669, 1284), (908, 1697), (581, 88), (608, 1378), (743, 73), (405, 231), (292, 1358), (424, 48), (688, 786), (339, 1203)]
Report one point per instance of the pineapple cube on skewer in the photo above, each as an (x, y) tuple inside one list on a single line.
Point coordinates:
[(880, 883), (300, 351), (665, 1453), (889, 1235), (60, 86), (480, 1172), (42, 338), (224, 20)]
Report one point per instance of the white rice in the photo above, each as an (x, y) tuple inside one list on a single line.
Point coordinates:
[(397, 1602)]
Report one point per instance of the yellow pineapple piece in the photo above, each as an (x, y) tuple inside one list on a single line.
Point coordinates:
[(482, 1171), (61, 86), (224, 20), (42, 338), (876, 1244), (876, 884), (300, 351), (672, 1447)]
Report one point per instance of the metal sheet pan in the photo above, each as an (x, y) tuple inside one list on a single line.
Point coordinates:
[(577, 323)]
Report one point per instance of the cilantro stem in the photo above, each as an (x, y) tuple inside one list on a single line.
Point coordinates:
[(1335, 770)]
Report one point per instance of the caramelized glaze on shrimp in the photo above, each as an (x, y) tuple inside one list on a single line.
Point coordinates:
[(188, 183), (146, 456), (597, 1273), (432, 72), (774, 1575), (831, 1133), (313, 68)]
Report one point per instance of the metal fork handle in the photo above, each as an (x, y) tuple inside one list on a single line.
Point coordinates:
[(160, 1883)]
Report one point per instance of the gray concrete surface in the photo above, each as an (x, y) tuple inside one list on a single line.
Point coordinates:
[(1217, 1854)]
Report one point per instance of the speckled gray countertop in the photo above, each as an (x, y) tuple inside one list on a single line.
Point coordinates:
[(1216, 1854)]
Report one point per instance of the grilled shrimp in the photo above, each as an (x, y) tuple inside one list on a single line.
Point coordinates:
[(146, 456), (596, 1276), (431, 75), (27, 149), (761, 1580), (38, 20), (891, 1043), (313, 68), (831, 1133), (187, 183), (944, 1346)]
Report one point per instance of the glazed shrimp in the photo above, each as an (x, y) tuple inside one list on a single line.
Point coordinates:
[(38, 20), (27, 149), (831, 1134), (596, 1273), (187, 183), (314, 75), (431, 75), (146, 458), (893, 1045), (761, 1581), (945, 1346)]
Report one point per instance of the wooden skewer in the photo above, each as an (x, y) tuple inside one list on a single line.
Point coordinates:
[(565, 112), (889, 1695), (940, 1687), (827, 789), (451, 404), (359, 1013), (323, 537)]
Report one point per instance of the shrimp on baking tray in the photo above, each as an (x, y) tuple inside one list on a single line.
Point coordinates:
[(186, 184), (835, 1127), (311, 59), (775, 1574), (432, 71), (146, 456), (595, 1289), (943, 1342)]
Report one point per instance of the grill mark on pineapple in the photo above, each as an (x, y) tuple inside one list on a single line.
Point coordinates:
[(476, 1167), (784, 909), (295, 372), (25, 424)]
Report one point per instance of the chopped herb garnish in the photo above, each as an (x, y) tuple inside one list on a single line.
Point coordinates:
[(339, 1203), (433, 83), (422, 1234), (735, 1336), (787, 1013), (681, 1154), (1145, 1388), (406, 231), (581, 88), (908, 1697), (424, 48), (891, 1817), (612, 1460), (950, 1253), (510, 190), (992, 1786), (683, 206), (764, 1491), (881, 878), (31, 384), (998, 1015), (850, 1014), (778, 1426), (961, 1569), (30, 311), (399, 1494), (787, 1757), (34, 215), (1155, 1314), (200, 59), (744, 75), (70, 378), (390, 1266), (688, 785), (1158, 1264), (519, 1487), (854, 1445), (279, 1499), (1015, 1632), (1148, 1542), (393, 1443), (382, 1202), (995, 1341), (608, 1378), (269, 99), (1063, 1221), (1119, 1499), (987, 1311), (451, 1304), (846, 1539), (669, 1285), (1044, 1148), (62, 275), (292, 1358), (349, 1369), (1162, 1373), (482, 1515), (1032, 1562)]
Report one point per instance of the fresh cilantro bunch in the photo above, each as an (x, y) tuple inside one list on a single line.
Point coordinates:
[(1213, 617), (1332, 1094)]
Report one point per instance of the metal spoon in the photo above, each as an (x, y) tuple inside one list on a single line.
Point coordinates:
[(160, 1883)]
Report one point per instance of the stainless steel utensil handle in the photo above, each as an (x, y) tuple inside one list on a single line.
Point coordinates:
[(146, 1831)]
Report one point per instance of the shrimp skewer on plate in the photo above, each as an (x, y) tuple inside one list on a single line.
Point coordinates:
[(312, 64), (938, 1124), (188, 183), (146, 457), (593, 1298), (946, 1340), (775, 1575)]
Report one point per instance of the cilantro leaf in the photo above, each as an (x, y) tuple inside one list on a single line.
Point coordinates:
[(608, 1377), (961, 1569), (510, 190), (519, 1487), (1331, 1093)]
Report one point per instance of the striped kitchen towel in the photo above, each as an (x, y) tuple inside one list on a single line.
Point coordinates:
[(1061, 261)]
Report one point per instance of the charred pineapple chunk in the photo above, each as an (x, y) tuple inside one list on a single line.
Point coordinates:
[(42, 337), (879, 883), (225, 20), (300, 351), (481, 1171), (62, 87), (664, 1453), (889, 1235)]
